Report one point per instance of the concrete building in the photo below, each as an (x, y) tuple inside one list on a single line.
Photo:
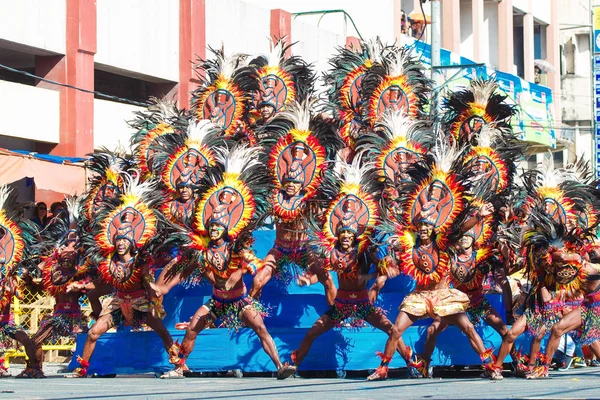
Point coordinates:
[(139, 48), (577, 84)]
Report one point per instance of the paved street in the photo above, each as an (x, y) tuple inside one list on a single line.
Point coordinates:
[(577, 383)]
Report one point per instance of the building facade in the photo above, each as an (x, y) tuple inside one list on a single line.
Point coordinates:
[(135, 49)]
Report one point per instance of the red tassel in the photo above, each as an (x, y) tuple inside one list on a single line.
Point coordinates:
[(294, 357), (384, 358)]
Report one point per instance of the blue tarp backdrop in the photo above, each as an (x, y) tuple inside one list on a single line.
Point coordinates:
[(293, 311)]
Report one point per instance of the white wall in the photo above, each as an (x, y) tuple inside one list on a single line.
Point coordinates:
[(242, 28), (36, 23), (110, 124), (489, 50), (372, 18), (539, 8), (466, 30), (315, 45), (29, 112), (141, 36)]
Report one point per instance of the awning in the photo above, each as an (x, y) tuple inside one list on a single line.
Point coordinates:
[(59, 174)]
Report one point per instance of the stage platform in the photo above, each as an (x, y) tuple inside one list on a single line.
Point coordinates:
[(293, 311)]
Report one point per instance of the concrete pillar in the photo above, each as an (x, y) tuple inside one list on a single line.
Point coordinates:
[(528, 51), (477, 22), (451, 25), (281, 26), (75, 68), (505, 36), (192, 44), (553, 57)]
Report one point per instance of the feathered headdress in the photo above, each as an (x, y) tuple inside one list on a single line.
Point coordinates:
[(161, 118), (354, 209), (282, 79), (186, 156), (545, 188), (223, 96), (300, 155), (346, 98), (234, 195), (439, 198), (106, 182), (60, 247), (468, 110), (134, 219), (399, 85), (12, 244), (399, 142)]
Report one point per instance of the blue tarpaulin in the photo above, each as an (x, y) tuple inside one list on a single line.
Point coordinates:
[(49, 157)]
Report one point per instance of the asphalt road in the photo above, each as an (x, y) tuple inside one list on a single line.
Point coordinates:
[(583, 383)]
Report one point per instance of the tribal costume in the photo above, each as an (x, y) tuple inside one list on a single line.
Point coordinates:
[(344, 244), (304, 145), (225, 94), (62, 264), (182, 160), (283, 80), (345, 93), (16, 240), (419, 246), (123, 240), (234, 200), (554, 249)]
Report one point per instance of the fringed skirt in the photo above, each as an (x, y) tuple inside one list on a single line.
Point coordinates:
[(227, 306), (351, 308), (478, 310), (590, 318), (66, 321), (290, 263), (8, 329)]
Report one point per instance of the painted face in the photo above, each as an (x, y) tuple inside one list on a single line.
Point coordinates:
[(292, 188), (346, 240), (465, 242), (122, 245), (63, 270), (216, 231), (266, 111), (425, 231), (185, 192)]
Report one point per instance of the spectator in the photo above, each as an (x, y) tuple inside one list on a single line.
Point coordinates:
[(56, 208), (40, 216), (403, 23)]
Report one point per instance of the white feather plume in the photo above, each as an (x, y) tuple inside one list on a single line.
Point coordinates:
[(198, 130), (5, 191), (133, 186), (299, 114), (239, 158)]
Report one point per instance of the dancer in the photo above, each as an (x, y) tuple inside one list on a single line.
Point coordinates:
[(297, 163), (63, 264), (17, 236), (222, 236), (123, 244), (344, 243), (420, 251)]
